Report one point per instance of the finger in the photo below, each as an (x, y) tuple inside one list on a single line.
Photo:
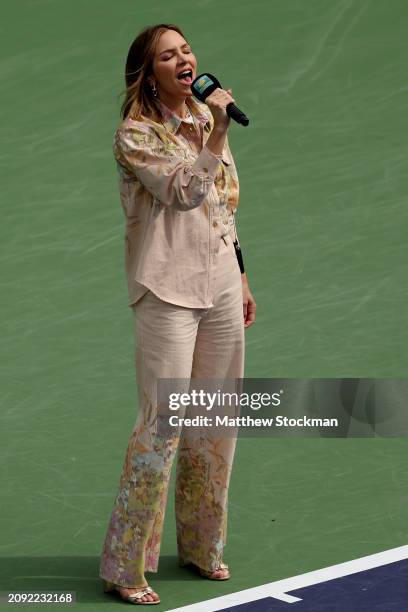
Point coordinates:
[(222, 93), (251, 312)]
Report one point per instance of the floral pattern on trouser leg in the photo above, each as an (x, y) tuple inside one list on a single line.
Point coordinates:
[(202, 478), (133, 540)]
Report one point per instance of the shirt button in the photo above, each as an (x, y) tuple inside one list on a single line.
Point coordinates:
[(215, 223)]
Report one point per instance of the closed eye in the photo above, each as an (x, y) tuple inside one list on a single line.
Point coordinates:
[(185, 53)]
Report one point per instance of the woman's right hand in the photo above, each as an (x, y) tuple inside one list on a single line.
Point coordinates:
[(217, 102)]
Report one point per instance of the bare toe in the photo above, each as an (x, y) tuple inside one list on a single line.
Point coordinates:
[(150, 597), (220, 573)]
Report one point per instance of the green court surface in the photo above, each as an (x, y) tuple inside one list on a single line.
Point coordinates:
[(322, 221)]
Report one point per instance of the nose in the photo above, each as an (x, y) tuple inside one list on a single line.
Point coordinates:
[(182, 61)]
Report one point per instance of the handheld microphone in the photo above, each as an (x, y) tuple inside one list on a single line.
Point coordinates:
[(204, 84)]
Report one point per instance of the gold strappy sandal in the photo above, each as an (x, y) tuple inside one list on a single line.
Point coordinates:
[(206, 573), (134, 597), (210, 575)]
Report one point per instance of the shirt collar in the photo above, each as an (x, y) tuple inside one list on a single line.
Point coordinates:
[(172, 122)]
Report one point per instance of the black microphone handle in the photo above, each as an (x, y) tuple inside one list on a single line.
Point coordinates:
[(236, 114)]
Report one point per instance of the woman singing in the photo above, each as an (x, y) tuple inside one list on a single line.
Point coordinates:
[(190, 301)]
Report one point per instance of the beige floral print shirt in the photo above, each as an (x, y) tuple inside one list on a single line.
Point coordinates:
[(179, 201)]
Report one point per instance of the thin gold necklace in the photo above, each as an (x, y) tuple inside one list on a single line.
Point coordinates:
[(190, 116), (193, 127)]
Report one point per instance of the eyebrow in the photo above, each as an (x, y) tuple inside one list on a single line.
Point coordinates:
[(173, 49)]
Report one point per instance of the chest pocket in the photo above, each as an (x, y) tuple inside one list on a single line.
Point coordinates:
[(176, 150)]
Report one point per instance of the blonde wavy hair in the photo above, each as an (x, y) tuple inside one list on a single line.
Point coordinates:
[(139, 100)]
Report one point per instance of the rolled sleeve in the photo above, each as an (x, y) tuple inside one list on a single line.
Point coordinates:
[(170, 179), (206, 164)]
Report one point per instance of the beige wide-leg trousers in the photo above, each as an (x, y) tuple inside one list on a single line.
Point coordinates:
[(182, 343)]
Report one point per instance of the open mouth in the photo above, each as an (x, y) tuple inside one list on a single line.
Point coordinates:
[(185, 77)]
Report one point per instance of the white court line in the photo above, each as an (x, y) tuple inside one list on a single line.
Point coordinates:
[(279, 589)]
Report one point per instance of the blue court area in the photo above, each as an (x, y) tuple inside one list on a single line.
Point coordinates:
[(382, 589), (375, 583)]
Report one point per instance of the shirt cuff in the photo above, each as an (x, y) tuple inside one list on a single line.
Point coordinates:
[(206, 164)]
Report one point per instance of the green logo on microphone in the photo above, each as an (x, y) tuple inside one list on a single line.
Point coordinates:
[(202, 83)]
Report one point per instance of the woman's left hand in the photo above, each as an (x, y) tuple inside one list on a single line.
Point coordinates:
[(249, 303)]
